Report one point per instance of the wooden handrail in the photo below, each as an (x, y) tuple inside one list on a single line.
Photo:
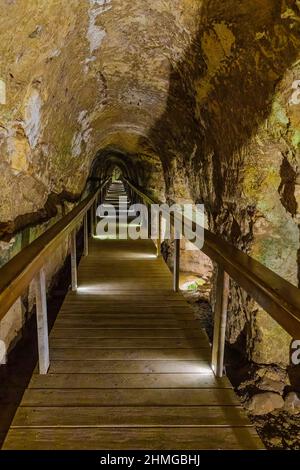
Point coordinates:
[(274, 294), (16, 274)]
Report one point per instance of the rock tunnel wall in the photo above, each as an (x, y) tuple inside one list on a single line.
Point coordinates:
[(199, 100), (230, 138)]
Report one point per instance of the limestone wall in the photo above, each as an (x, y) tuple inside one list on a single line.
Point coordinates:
[(200, 98)]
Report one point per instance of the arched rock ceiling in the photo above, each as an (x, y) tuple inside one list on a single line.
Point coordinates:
[(187, 81), (82, 76)]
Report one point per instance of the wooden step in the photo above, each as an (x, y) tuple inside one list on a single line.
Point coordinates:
[(130, 366), (130, 397), (70, 333), (128, 381), (124, 416), (167, 438)]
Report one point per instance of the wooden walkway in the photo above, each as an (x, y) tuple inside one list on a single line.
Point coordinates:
[(129, 366)]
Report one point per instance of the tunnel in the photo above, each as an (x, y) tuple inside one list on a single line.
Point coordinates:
[(169, 102)]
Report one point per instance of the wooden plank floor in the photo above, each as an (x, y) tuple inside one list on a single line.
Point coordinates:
[(129, 367)]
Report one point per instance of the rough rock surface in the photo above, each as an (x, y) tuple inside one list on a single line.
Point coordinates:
[(292, 403), (264, 403), (196, 101)]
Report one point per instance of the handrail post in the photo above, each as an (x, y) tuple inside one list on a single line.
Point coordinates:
[(144, 216), (176, 266), (95, 207), (91, 220), (42, 322), (149, 220), (73, 261), (85, 235), (220, 319), (158, 241)]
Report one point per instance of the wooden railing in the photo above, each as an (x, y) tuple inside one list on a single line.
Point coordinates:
[(16, 275), (274, 294)]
